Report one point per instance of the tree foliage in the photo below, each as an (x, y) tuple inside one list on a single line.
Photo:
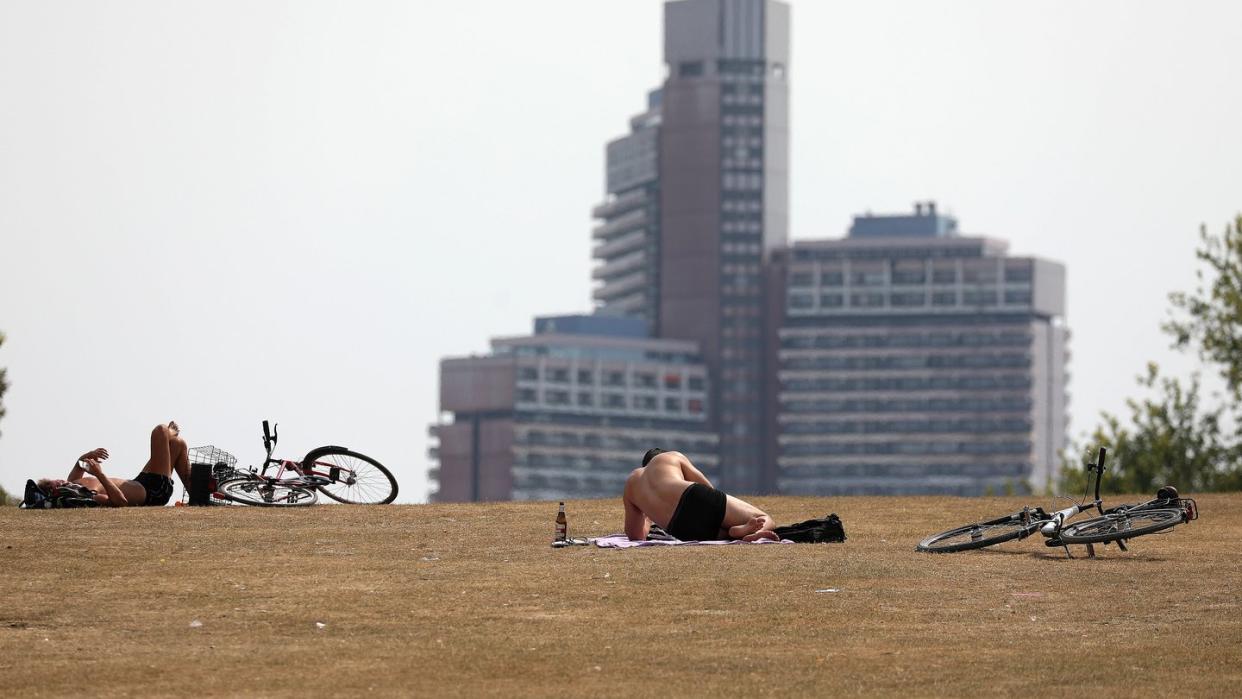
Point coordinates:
[(1210, 323), (3, 384), (5, 498), (1173, 436)]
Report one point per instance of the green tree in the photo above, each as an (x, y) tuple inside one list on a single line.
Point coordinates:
[(3, 384), (1211, 320), (5, 498), (1173, 436)]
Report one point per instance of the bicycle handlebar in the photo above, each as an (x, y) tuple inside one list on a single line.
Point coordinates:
[(269, 438), (1099, 476)]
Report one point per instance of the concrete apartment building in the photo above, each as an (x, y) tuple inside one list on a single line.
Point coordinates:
[(627, 239), (904, 358), (724, 153), (568, 411), (912, 360)]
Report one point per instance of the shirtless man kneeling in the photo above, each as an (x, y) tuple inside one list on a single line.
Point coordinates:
[(668, 490)]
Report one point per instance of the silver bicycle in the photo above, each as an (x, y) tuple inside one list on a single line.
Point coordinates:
[(1118, 524)]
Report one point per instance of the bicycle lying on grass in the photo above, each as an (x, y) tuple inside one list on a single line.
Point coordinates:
[(343, 475), (1117, 524)]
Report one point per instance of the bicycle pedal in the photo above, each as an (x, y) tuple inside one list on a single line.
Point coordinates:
[(1054, 542)]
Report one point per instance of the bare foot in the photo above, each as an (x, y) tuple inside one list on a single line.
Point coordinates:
[(741, 531), (174, 428), (762, 534)]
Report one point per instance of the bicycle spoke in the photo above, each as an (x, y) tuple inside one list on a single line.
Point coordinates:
[(356, 478)]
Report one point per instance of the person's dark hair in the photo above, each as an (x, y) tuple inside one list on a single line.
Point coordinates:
[(651, 454)]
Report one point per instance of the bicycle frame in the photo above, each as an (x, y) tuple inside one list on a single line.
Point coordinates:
[(306, 476), (1110, 526), (1052, 528)]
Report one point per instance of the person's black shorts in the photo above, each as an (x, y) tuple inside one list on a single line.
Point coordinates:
[(159, 488), (699, 514)]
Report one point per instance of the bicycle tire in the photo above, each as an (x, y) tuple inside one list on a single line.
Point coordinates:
[(357, 479), (1121, 525), (980, 534), (251, 491)]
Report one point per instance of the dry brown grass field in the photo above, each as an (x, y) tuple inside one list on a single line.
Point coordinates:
[(470, 600)]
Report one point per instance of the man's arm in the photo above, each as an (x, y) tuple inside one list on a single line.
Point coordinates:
[(93, 455), (692, 474), (636, 523), (114, 498)]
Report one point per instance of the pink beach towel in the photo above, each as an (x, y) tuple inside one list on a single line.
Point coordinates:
[(621, 541)]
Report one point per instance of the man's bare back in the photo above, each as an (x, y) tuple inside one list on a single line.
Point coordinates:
[(654, 492)]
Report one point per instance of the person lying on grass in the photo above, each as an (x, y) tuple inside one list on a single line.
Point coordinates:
[(152, 486), (668, 490)]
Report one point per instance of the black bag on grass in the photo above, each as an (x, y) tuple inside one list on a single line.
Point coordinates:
[(66, 495), (814, 531)]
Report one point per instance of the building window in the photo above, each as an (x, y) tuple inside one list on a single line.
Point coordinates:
[(614, 378), (979, 298), (832, 279), (557, 375), (903, 276), (528, 373), (867, 300), (644, 402), (867, 278), (907, 299), (672, 381), (526, 395), (586, 399), (944, 298), (800, 301), (944, 276), (672, 405), (696, 383), (690, 69), (645, 380), (983, 272), (1018, 271), (556, 398), (1018, 297), (614, 400), (586, 376), (801, 279), (831, 300)]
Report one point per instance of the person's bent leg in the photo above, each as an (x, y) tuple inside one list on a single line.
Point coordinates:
[(743, 520), (180, 456), (161, 460)]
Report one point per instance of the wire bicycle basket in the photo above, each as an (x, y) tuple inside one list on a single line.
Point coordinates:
[(223, 464)]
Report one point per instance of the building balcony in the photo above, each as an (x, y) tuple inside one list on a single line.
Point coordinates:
[(629, 304), (621, 245), (620, 205), (622, 266), (617, 288), (622, 224)]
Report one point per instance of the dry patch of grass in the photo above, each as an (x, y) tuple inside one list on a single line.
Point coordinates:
[(465, 600)]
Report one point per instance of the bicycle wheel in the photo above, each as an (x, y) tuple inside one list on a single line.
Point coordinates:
[(251, 491), (354, 478), (980, 534), (1121, 525)]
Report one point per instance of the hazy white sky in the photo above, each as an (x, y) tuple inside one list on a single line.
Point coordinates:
[(224, 211)]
